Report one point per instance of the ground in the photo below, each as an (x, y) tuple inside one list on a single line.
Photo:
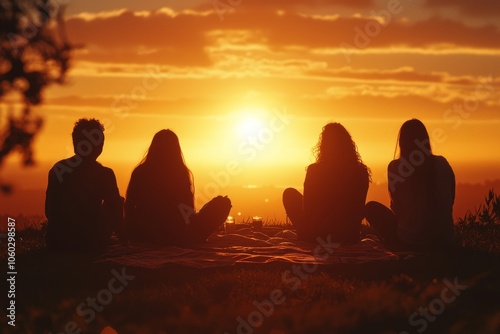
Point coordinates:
[(448, 293)]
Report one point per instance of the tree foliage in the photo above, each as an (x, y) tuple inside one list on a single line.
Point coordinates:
[(34, 54)]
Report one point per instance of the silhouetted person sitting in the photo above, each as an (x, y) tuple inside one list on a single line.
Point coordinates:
[(335, 190), (82, 204), (159, 208), (422, 191)]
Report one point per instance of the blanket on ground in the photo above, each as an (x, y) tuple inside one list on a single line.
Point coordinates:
[(251, 247)]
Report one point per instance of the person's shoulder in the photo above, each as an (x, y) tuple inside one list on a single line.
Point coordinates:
[(393, 164), (362, 170), (313, 172), (312, 167), (138, 173), (139, 170), (107, 171), (317, 169), (440, 159), (441, 162), (61, 164)]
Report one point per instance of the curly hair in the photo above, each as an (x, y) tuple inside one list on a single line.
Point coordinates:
[(335, 145), (83, 127)]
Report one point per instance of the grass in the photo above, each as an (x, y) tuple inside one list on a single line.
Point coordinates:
[(479, 229), (347, 298)]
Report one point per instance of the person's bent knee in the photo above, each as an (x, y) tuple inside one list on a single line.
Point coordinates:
[(372, 204), (222, 201), (290, 193), (370, 209)]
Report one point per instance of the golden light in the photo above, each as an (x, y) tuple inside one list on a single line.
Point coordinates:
[(250, 122), (250, 126)]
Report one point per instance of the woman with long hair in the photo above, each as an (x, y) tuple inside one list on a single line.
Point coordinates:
[(422, 191), (159, 207), (335, 190)]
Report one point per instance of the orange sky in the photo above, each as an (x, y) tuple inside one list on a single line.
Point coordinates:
[(252, 85)]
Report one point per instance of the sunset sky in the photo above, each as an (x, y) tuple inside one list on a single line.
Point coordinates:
[(247, 85)]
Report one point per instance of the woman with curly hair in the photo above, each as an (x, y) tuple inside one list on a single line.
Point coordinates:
[(335, 190)]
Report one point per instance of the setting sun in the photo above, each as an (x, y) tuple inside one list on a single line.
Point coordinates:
[(250, 126), (250, 122)]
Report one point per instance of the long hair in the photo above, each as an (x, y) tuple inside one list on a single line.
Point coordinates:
[(415, 149), (413, 137), (165, 157), (336, 146)]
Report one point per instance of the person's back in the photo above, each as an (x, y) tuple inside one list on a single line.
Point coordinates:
[(159, 208), (83, 205), (334, 199), (157, 199), (422, 191), (335, 190), (425, 215)]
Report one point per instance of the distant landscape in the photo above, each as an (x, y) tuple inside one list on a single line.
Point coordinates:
[(256, 190), (248, 200)]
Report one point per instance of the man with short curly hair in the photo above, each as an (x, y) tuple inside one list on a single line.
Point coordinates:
[(82, 205)]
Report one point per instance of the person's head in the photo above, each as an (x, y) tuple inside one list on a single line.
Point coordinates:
[(335, 144), (164, 150), (413, 138), (88, 138), (164, 158)]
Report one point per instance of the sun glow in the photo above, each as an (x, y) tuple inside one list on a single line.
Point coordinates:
[(250, 123), (250, 126)]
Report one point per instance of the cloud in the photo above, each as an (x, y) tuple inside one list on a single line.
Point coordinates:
[(364, 33), (402, 74), (273, 51), (483, 8), (483, 94), (265, 5), (162, 36), (432, 92), (185, 38), (437, 50)]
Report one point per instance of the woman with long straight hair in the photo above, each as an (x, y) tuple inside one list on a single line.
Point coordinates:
[(422, 191), (159, 207), (335, 190)]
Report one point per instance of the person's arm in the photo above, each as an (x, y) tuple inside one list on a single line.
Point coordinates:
[(113, 203), (362, 184), (393, 180), (453, 184), (312, 215), (50, 194), (131, 201), (186, 200), (53, 209), (186, 194), (111, 193)]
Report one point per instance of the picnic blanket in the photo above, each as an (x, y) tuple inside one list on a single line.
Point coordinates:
[(251, 247)]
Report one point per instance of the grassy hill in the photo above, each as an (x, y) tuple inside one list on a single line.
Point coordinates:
[(456, 292)]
